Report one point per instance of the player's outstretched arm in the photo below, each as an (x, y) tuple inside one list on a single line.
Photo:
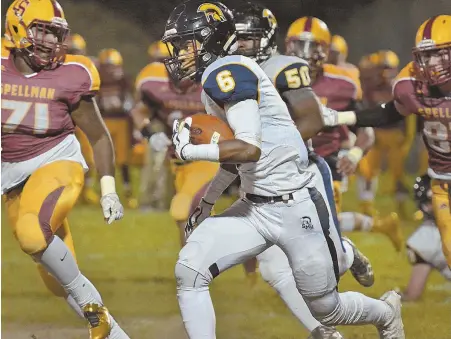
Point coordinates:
[(379, 116), (89, 120), (306, 111)]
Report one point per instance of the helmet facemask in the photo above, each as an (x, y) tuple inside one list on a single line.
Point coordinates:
[(255, 43), (191, 53), (434, 63), (47, 43), (314, 52)]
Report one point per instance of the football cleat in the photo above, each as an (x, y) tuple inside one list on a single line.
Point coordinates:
[(98, 319), (361, 268), (394, 329), (324, 332), (391, 227)]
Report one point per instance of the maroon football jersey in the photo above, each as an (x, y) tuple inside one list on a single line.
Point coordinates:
[(36, 109), (115, 96), (338, 88), (414, 97), (167, 102)]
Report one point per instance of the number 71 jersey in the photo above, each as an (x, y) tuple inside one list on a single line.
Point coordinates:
[(414, 97), (36, 109)]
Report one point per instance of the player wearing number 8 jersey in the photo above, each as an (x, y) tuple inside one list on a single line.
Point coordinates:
[(42, 165), (423, 87), (270, 157)]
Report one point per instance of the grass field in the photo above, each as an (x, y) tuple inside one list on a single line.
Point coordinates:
[(132, 261)]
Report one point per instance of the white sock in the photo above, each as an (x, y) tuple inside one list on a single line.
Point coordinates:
[(349, 255), (347, 221), (197, 312), (295, 302), (353, 221)]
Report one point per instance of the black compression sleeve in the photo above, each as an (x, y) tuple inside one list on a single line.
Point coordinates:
[(379, 116)]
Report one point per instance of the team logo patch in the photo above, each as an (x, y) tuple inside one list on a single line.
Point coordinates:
[(212, 12), (215, 138), (307, 223)]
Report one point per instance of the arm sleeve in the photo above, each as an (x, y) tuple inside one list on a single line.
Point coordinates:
[(378, 116), (244, 120), (292, 77)]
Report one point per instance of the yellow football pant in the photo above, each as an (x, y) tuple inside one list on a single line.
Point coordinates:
[(39, 210), (442, 212), (388, 143), (190, 178), (121, 135)]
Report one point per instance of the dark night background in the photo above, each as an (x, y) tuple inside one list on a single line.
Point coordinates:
[(367, 25)]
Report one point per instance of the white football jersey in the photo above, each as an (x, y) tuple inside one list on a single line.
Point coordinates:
[(283, 160), (288, 73)]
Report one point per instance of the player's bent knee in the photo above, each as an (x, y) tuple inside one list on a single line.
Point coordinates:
[(180, 206), (31, 236), (188, 278), (325, 308)]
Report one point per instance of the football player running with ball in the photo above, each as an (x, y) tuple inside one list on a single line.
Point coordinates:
[(270, 157), (256, 29), (42, 165)]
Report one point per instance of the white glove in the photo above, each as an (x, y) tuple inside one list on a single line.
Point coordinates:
[(201, 213), (159, 141), (180, 135), (112, 207)]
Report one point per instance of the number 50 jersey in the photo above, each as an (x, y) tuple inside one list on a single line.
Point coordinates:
[(283, 157)]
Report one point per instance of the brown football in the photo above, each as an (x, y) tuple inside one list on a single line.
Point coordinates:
[(208, 129)]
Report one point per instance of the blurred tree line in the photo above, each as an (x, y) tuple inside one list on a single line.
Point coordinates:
[(367, 25)]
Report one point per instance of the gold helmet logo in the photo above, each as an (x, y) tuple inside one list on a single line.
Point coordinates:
[(271, 18), (212, 12)]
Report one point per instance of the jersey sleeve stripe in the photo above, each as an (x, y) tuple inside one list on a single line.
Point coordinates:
[(347, 79), (146, 79), (86, 68)]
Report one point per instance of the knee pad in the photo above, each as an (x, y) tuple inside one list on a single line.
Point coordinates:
[(51, 283), (188, 278), (324, 308), (180, 206), (31, 237)]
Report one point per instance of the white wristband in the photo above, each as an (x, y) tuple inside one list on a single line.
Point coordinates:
[(107, 185), (347, 118), (220, 182), (355, 154), (208, 152)]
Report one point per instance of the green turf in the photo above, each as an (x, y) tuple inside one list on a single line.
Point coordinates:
[(132, 262)]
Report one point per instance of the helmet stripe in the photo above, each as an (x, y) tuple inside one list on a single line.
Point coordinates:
[(308, 24), (427, 31), (56, 9)]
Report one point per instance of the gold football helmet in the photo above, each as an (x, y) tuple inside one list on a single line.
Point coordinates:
[(338, 50), (432, 51), (77, 44), (309, 38), (158, 51), (38, 30)]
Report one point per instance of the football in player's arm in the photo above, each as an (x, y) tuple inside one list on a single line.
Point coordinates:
[(235, 88)]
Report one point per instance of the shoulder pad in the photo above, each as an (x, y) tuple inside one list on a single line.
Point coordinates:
[(407, 73), (345, 74), (292, 76), (155, 71), (88, 65), (231, 83)]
